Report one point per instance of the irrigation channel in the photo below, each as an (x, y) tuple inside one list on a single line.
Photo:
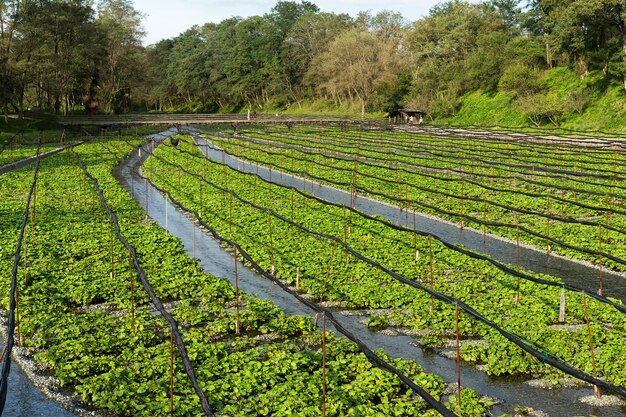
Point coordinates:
[(532, 259), (24, 400), (215, 260)]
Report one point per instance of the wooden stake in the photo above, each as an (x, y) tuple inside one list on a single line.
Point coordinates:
[(237, 322), (462, 203), (485, 226), (292, 203), (562, 307), (458, 355), (269, 222), (193, 238), (171, 373), (548, 227), (254, 195), (26, 277), (132, 292), (17, 315), (330, 264), (600, 250), (146, 189), (201, 196), (230, 217), (593, 355), (417, 254), (432, 280), (324, 365), (111, 248), (298, 277)]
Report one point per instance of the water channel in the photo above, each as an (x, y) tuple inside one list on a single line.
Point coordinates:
[(556, 402), (25, 400)]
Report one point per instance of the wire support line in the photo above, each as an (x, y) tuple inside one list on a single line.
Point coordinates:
[(538, 352)]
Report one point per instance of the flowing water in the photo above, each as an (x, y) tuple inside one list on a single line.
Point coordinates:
[(215, 260)]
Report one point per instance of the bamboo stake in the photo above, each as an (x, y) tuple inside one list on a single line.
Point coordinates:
[(324, 387), (417, 253), (146, 189), (230, 217), (132, 293), (111, 248), (237, 322), (562, 307), (269, 222), (458, 354), (17, 314), (292, 203), (548, 227), (193, 238), (298, 277), (462, 203), (432, 280), (600, 250), (330, 265), (593, 355), (171, 373), (485, 226)]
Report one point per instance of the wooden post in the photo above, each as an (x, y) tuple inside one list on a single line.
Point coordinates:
[(171, 372), (298, 277), (485, 226), (562, 307), (330, 265), (17, 314), (269, 222), (600, 250), (324, 365), (146, 189), (417, 253), (230, 217), (237, 322), (548, 227), (254, 195), (193, 238), (462, 203), (26, 277), (132, 293), (201, 196), (292, 203), (458, 354), (432, 280), (593, 356), (406, 202), (111, 248)]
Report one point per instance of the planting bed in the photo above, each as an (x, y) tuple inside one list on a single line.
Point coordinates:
[(109, 304)]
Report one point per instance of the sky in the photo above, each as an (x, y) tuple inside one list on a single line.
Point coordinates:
[(167, 18)]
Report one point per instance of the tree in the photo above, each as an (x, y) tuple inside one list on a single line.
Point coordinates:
[(308, 38), (446, 46), (119, 26), (355, 65)]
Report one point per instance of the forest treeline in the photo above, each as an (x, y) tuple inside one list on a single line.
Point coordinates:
[(71, 55)]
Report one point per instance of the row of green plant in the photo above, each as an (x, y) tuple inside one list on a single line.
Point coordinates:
[(494, 206), (75, 316), (415, 151), (477, 146), (302, 259)]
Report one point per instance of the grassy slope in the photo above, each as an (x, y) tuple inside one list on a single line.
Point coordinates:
[(604, 109)]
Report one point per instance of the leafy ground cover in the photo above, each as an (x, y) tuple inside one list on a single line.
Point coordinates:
[(316, 266), (76, 304), (565, 195)]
